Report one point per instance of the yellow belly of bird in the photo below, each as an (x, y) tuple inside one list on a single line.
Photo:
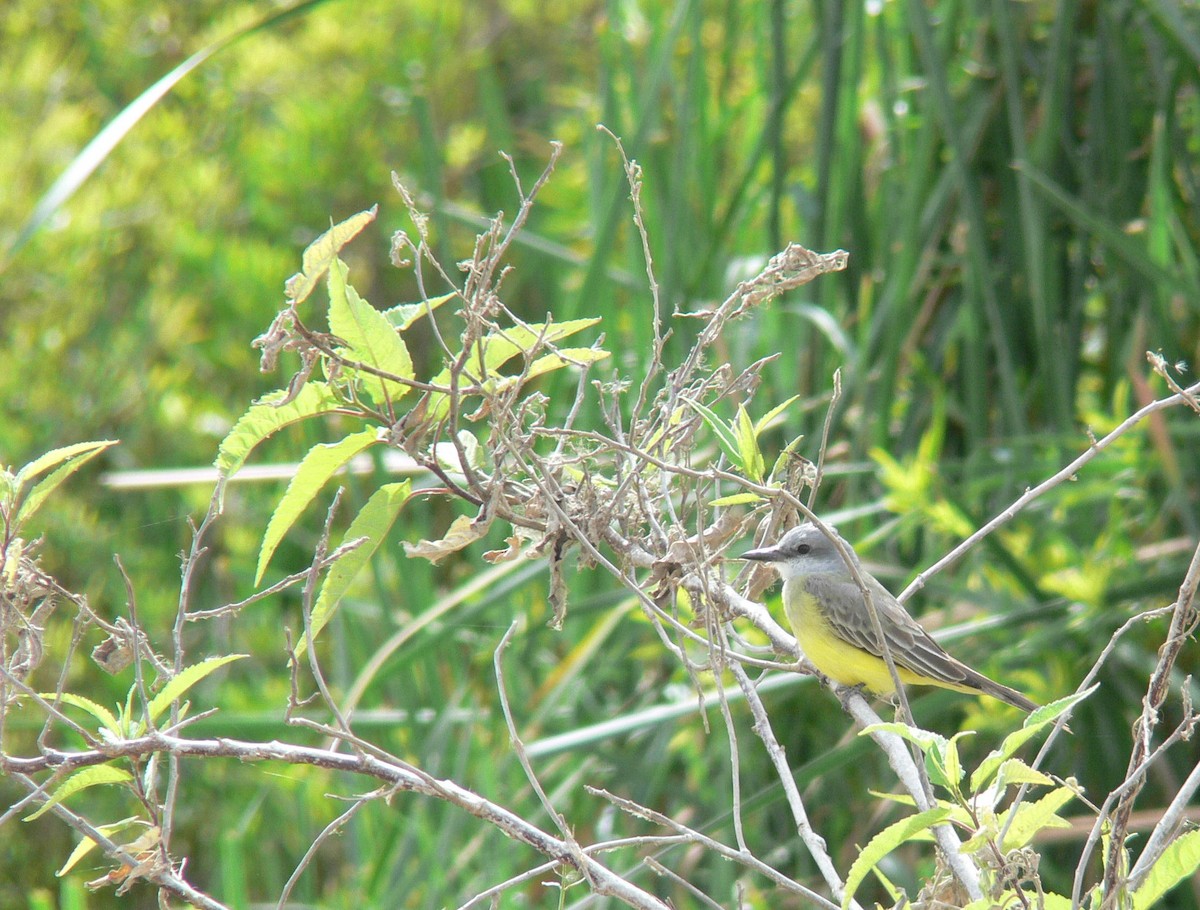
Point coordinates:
[(835, 657)]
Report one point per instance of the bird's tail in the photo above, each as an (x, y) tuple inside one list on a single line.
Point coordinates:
[(1004, 693)]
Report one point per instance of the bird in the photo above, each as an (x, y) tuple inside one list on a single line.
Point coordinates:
[(833, 626)]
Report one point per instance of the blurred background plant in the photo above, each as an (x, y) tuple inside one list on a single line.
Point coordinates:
[(1016, 185)]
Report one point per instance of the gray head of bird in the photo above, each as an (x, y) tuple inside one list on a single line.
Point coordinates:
[(804, 550)]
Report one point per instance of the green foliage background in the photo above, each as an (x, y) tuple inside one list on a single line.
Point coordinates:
[(1016, 184)]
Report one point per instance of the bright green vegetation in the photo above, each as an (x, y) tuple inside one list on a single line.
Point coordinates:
[(1015, 183)]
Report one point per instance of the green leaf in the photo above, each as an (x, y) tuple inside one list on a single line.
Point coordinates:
[(403, 315), (107, 719), (184, 680), (321, 463), (768, 419), (737, 499), (564, 357), (55, 457), (1036, 721), (319, 254), (86, 845), (1015, 771), (945, 766), (81, 780), (504, 345), (1180, 860), (264, 418), (885, 842), (1032, 817), (753, 464), (69, 459), (370, 338), (726, 438), (373, 523)]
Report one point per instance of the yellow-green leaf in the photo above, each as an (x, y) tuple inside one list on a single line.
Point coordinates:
[(885, 842), (1032, 817), (373, 523), (752, 461), (768, 419), (370, 338), (85, 846), (1180, 860), (1015, 771), (736, 499), (321, 463), (403, 315), (263, 419), (68, 460), (726, 437), (107, 719), (1037, 720), (184, 680), (321, 252), (492, 352), (81, 780)]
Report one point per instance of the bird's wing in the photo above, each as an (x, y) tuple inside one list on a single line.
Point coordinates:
[(910, 645)]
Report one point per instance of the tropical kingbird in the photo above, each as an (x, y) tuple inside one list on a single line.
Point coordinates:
[(831, 621)]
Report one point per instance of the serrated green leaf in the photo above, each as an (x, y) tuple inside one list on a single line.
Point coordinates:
[(321, 252), (370, 338), (321, 463), (885, 842), (107, 719), (1034, 723), (1032, 817), (81, 780), (55, 457), (68, 460), (737, 499), (768, 419), (1015, 771), (726, 438), (178, 686), (1047, 714), (1180, 860), (404, 315), (373, 523), (263, 419)]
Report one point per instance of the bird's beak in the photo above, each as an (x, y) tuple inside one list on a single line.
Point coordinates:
[(762, 554)]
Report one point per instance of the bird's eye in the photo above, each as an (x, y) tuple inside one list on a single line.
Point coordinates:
[(803, 549)]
